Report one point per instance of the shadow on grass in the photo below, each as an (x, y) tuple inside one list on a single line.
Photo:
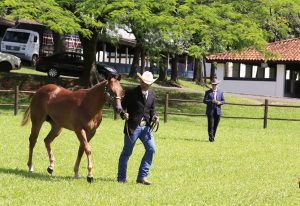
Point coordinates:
[(185, 139), (47, 177), (33, 175)]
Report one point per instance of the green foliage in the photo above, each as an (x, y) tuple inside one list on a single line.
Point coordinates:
[(47, 12)]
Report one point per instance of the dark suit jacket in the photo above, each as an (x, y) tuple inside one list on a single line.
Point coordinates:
[(208, 97), (133, 102)]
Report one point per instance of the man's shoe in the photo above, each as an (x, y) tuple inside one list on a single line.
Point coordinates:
[(211, 139), (122, 181), (143, 181)]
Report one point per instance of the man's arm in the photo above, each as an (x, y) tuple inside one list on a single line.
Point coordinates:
[(153, 115), (206, 99), (123, 113)]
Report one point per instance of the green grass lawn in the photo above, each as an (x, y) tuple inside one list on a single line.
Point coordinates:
[(246, 165), (28, 70)]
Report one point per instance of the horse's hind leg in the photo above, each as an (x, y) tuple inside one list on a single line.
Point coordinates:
[(77, 163), (35, 130), (79, 156), (54, 132)]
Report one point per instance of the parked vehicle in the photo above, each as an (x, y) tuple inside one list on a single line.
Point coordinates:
[(22, 43), (9, 62), (69, 64)]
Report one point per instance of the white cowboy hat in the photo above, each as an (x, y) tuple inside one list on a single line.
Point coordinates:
[(215, 81), (147, 77)]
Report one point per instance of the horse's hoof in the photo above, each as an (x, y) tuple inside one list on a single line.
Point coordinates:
[(31, 169), (50, 170), (90, 179)]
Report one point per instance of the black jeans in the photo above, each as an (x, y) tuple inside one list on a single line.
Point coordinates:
[(212, 122)]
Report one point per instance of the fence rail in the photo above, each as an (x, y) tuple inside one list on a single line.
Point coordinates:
[(166, 112), (265, 117), (16, 104)]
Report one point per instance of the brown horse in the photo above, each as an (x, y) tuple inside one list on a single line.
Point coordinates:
[(79, 111)]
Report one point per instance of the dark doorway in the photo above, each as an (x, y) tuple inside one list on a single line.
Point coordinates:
[(292, 80)]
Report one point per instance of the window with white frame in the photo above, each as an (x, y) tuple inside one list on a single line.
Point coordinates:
[(250, 71)]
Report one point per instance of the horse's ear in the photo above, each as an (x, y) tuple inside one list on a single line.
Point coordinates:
[(119, 77), (109, 76)]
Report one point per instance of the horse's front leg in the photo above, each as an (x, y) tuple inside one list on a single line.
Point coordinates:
[(79, 156), (82, 136), (55, 131)]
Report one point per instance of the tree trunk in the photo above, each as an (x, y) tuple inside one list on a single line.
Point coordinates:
[(163, 69), (213, 70), (197, 70), (143, 60), (204, 69), (89, 54), (195, 73), (200, 75), (59, 43), (151, 67), (174, 68), (135, 61)]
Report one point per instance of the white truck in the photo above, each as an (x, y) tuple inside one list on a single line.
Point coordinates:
[(22, 43)]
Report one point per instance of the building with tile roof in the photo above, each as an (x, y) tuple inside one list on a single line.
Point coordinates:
[(251, 72)]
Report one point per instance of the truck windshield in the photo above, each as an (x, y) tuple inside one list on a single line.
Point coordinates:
[(20, 37)]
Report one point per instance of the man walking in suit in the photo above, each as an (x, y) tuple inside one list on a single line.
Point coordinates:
[(139, 112), (213, 99)]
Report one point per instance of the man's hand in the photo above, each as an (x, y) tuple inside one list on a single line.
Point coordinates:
[(155, 119), (126, 116)]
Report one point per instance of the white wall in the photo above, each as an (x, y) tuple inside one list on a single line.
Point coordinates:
[(265, 88), (280, 80)]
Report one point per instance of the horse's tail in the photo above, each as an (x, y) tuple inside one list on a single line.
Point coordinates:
[(26, 116)]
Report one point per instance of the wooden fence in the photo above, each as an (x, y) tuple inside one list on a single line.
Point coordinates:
[(17, 105), (265, 118), (166, 112)]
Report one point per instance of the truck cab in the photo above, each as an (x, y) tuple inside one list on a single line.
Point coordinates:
[(22, 43)]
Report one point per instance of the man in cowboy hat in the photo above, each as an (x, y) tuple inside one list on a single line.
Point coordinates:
[(213, 99), (139, 112)]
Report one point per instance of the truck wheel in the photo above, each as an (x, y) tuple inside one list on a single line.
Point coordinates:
[(34, 60), (5, 67), (52, 72)]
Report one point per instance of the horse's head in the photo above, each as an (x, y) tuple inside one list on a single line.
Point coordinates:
[(115, 92)]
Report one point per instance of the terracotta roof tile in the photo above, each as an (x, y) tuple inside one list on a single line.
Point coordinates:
[(6, 22), (284, 51)]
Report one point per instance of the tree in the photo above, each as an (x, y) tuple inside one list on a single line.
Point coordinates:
[(96, 17), (89, 18), (146, 19), (217, 26)]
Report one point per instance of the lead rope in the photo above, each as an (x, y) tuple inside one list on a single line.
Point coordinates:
[(154, 126), (127, 131)]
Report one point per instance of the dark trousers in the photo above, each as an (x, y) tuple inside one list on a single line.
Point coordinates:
[(212, 122)]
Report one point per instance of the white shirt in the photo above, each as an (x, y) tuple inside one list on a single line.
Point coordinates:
[(215, 94), (145, 94)]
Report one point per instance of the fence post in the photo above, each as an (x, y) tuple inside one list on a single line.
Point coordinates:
[(115, 115), (266, 113), (166, 108), (16, 104)]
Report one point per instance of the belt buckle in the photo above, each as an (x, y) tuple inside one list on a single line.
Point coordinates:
[(143, 123)]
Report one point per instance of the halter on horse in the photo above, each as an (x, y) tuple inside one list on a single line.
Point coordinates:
[(79, 111)]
